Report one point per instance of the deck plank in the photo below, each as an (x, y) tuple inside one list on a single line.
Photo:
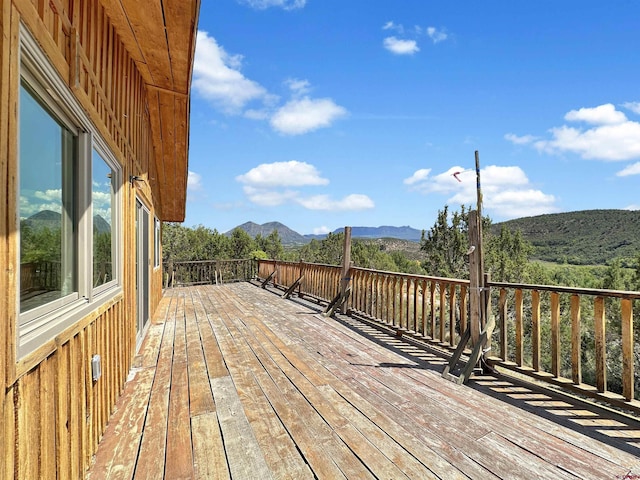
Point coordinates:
[(247, 385), (243, 452), (209, 459)]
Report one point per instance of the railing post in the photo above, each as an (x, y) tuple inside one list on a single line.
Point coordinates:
[(475, 278), (346, 262)]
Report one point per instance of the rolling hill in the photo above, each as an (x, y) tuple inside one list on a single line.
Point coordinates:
[(587, 237)]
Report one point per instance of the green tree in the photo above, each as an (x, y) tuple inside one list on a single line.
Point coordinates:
[(241, 244), (273, 245), (507, 256), (447, 242)]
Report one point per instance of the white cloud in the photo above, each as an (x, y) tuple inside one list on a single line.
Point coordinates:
[(217, 77), (269, 185), (297, 86), (610, 137), (632, 207), (264, 4), (630, 170), (401, 47), (323, 230), (302, 115), (436, 35), (390, 26), (633, 106), (324, 202), (269, 198), (418, 176), (506, 191), (520, 140), (194, 181), (282, 174), (602, 115)]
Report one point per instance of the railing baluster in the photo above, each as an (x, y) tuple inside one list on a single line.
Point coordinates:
[(576, 341), (601, 350), (535, 329), (502, 312), (452, 314), (627, 349), (443, 312), (519, 343), (555, 334)]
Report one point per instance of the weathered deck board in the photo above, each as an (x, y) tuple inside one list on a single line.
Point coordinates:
[(248, 385)]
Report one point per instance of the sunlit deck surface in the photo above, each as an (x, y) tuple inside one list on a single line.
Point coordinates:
[(234, 382)]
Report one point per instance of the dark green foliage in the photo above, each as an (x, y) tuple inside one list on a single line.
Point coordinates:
[(590, 237), (507, 256)]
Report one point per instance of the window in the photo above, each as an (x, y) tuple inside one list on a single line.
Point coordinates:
[(156, 242), (48, 225), (102, 200), (68, 208)]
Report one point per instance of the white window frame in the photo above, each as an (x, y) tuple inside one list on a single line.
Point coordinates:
[(157, 233), (43, 323)]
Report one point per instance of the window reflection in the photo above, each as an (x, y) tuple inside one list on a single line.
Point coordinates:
[(102, 195), (47, 213)]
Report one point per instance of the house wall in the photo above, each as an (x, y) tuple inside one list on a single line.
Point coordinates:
[(52, 414)]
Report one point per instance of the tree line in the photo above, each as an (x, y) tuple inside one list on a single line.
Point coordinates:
[(507, 255)]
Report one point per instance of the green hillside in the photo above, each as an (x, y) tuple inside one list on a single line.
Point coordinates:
[(589, 237)]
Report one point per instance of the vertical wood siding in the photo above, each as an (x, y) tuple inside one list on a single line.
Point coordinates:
[(52, 414)]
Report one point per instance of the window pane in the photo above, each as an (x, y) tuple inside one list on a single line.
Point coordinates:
[(47, 214), (102, 198)]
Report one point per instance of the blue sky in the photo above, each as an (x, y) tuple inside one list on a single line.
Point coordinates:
[(325, 113)]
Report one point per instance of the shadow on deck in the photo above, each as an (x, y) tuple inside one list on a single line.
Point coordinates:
[(234, 382)]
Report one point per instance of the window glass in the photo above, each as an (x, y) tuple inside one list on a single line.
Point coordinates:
[(48, 224), (102, 197), (156, 242)]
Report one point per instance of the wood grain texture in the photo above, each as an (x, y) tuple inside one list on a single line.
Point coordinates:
[(299, 395)]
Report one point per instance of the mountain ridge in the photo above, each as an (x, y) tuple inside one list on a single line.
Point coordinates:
[(583, 237)]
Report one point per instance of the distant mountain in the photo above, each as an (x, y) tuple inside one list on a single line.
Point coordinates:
[(587, 237), (44, 219), (287, 236), (100, 225), (402, 233)]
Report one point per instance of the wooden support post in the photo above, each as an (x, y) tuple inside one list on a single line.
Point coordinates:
[(345, 277), (475, 279)]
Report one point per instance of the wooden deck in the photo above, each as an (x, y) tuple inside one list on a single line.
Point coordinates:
[(234, 382)]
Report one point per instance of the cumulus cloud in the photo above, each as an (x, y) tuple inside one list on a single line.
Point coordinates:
[(264, 4), (217, 77), (630, 170), (350, 202), (323, 230), (401, 47), (282, 174), (632, 207), (194, 181), (602, 115), (298, 86), (523, 140), (633, 106), (507, 192), (303, 115), (272, 184), (418, 176), (608, 135), (405, 42), (436, 35)]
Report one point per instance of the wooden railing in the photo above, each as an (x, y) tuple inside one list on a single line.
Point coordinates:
[(578, 339), (208, 271), (581, 339)]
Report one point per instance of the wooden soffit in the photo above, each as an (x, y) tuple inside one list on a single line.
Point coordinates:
[(160, 36)]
